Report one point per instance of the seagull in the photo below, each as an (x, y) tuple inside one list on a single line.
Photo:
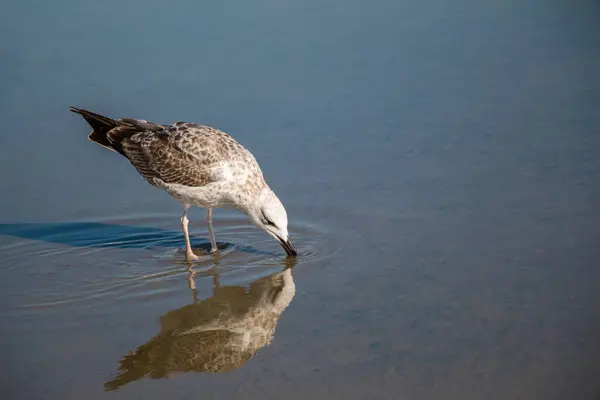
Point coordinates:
[(199, 166)]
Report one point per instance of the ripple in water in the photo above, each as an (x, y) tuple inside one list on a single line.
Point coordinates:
[(138, 258)]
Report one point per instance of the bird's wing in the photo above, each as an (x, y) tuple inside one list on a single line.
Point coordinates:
[(183, 153)]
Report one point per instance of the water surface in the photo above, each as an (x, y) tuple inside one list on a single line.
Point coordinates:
[(439, 163)]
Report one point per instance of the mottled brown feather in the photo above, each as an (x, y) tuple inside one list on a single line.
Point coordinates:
[(173, 155), (182, 153)]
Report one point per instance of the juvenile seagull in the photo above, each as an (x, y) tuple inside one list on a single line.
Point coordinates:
[(197, 165)]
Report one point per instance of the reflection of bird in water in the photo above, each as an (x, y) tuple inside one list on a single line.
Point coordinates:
[(218, 334)]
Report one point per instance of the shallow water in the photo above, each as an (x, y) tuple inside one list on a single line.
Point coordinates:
[(438, 161)]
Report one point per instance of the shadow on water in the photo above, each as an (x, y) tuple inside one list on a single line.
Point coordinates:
[(218, 334), (99, 235)]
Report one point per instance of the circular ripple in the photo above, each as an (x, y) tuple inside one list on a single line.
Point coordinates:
[(139, 257)]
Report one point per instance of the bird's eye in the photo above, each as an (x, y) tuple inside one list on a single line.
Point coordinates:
[(267, 221)]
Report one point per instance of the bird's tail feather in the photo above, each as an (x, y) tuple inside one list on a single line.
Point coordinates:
[(100, 124)]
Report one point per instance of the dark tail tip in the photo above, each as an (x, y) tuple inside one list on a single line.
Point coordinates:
[(96, 121), (100, 124), (75, 109)]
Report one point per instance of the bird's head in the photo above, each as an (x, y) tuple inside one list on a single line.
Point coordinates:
[(268, 213)]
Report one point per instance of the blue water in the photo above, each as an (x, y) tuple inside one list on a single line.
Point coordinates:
[(438, 161)]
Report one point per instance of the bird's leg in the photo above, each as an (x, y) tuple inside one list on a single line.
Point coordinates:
[(192, 283), (184, 224), (213, 242)]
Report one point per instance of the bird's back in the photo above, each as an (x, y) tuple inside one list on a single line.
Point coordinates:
[(189, 154), (183, 153)]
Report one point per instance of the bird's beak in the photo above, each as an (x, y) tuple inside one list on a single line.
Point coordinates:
[(288, 247)]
